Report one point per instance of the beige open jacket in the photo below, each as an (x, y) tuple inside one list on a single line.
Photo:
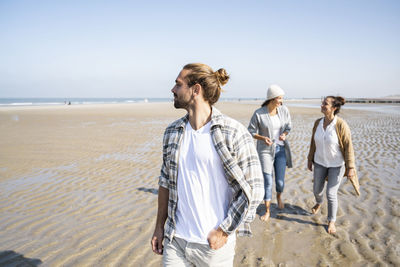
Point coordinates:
[(345, 144)]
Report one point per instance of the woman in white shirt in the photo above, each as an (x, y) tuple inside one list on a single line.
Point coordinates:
[(270, 125), (332, 154)]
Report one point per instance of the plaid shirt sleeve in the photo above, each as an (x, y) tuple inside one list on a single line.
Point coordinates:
[(163, 179), (241, 163), (249, 162)]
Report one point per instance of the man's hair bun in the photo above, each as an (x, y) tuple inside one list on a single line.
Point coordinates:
[(222, 76)]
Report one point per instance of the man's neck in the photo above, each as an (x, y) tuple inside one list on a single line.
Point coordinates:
[(199, 115)]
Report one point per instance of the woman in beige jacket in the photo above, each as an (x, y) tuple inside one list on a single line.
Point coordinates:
[(331, 153)]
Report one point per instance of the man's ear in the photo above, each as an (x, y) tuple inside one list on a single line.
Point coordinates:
[(197, 89)]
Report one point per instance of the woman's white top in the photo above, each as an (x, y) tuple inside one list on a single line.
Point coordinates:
[(328, 152), (203, 191), (276, 127)]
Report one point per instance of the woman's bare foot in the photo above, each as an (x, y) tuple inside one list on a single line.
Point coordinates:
[(281, 205), (331, 228), (315, 209), (266, 216)]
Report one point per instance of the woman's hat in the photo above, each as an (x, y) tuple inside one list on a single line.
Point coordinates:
[(274, 91)]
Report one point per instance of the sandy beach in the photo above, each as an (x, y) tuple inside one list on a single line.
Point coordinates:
[(78, 187)]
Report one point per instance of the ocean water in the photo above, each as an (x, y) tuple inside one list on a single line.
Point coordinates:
[(74, 101), (16, 102)]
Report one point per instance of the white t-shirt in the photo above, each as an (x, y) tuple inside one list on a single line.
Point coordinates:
[(276, 128), (203, 192), (327, 151)]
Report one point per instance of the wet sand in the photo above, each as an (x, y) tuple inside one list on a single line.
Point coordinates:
[(78, 187)]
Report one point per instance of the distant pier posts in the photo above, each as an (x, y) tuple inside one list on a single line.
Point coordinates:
[(373, 100)]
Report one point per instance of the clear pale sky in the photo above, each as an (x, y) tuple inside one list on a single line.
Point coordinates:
[(137, 48)]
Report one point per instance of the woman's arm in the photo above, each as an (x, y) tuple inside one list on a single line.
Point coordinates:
[(312, 149), (348, 149), (265, 139)]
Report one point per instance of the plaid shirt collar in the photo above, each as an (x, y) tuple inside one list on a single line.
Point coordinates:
[(216, 119)]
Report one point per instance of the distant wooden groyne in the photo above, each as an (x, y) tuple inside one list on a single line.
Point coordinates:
[(374, 100)]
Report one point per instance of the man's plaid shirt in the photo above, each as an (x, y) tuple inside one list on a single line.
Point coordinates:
[(235, 146)]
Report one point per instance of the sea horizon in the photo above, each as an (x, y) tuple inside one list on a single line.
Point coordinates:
[(57, 101)]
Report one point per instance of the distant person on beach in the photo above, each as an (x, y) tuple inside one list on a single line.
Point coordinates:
[(331, 153), (270, 125), (211, 181)]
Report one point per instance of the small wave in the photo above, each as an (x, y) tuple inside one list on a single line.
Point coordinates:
[(21, 104)]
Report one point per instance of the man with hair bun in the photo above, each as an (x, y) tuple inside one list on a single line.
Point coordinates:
[(211, 181)]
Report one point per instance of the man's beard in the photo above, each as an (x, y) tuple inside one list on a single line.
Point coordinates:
[(180, 103)]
